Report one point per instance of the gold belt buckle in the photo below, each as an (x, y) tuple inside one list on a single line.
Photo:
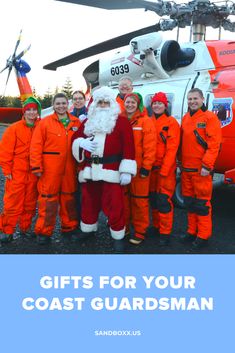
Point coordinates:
[(95, 159)]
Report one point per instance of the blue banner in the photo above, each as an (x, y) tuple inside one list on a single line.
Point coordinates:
[(117, 303)]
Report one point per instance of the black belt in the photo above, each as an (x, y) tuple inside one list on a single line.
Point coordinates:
[(103, 160), (194, 170), (189, 169)]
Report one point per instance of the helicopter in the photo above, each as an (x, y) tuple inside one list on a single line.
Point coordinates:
[(155, 64)]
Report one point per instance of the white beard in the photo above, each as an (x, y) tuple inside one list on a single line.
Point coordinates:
[(100, 120)]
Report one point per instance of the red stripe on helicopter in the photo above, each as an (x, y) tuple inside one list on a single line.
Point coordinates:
[(134, 60)]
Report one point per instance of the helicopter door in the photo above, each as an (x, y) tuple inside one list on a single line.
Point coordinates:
[(176, 96)]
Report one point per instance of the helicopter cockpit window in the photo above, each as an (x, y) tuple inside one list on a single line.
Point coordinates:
[(147, 103)]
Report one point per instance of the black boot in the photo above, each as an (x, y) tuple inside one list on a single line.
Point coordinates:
[(187, 238), (85, 235), (70, 233), (135, 240), (164, 239), (43, 239), (6, 238), (199, 243), (28, 234), (119, 246)]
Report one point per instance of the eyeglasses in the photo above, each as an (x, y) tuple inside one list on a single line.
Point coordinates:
[(78, 99)]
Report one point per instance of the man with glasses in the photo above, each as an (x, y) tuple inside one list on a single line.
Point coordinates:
[(125, 87)]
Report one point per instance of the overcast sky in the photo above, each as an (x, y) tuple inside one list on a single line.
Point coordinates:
[(56, 29)]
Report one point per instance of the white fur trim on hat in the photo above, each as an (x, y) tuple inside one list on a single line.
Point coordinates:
[(105, 93)]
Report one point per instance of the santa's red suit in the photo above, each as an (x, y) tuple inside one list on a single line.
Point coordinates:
[(101, 170)]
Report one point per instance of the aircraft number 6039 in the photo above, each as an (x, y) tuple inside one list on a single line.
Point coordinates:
[(122, 69)]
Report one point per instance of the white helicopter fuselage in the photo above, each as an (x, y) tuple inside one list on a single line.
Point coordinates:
[(175, 69), (147, 80)]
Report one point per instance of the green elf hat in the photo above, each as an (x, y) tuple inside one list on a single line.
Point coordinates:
[(138, 98), (32, 102)]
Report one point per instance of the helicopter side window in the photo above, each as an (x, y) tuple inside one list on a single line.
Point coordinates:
[(147, 103)]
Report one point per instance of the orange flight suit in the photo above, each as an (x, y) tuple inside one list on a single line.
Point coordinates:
[(120, 101), (137, 193), (201, 139), (51, 154), (163, 175), (20, 196)]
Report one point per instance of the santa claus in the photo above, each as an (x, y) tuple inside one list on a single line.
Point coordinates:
[(104, 147)]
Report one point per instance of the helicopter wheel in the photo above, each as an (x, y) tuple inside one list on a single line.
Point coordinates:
[(177, 197)]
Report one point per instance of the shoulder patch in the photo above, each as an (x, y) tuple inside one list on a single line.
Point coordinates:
[(201, 125), (222, 107)]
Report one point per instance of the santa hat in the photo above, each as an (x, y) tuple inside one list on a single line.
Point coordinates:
[(138, 98), (160, 97), (32, 102), (104, 93)]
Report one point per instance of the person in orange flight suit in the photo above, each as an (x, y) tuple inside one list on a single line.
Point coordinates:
[(52, 161), (163, 175), (20, 196), (137, 193), (201, 140)]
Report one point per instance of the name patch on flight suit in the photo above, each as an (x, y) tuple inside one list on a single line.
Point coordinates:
[(201, 125)]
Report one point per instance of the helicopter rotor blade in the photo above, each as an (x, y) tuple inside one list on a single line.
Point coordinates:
[(9, 72), (6, 67), (17, 44), (22, 53), (101, 47), (112, 4)]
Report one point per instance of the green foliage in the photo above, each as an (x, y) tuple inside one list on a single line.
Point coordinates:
[(46, 99), (10, 102), (68, 88), (3, 101)]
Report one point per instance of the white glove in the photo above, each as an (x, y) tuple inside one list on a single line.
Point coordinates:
[(125, 178), (88, 145)]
